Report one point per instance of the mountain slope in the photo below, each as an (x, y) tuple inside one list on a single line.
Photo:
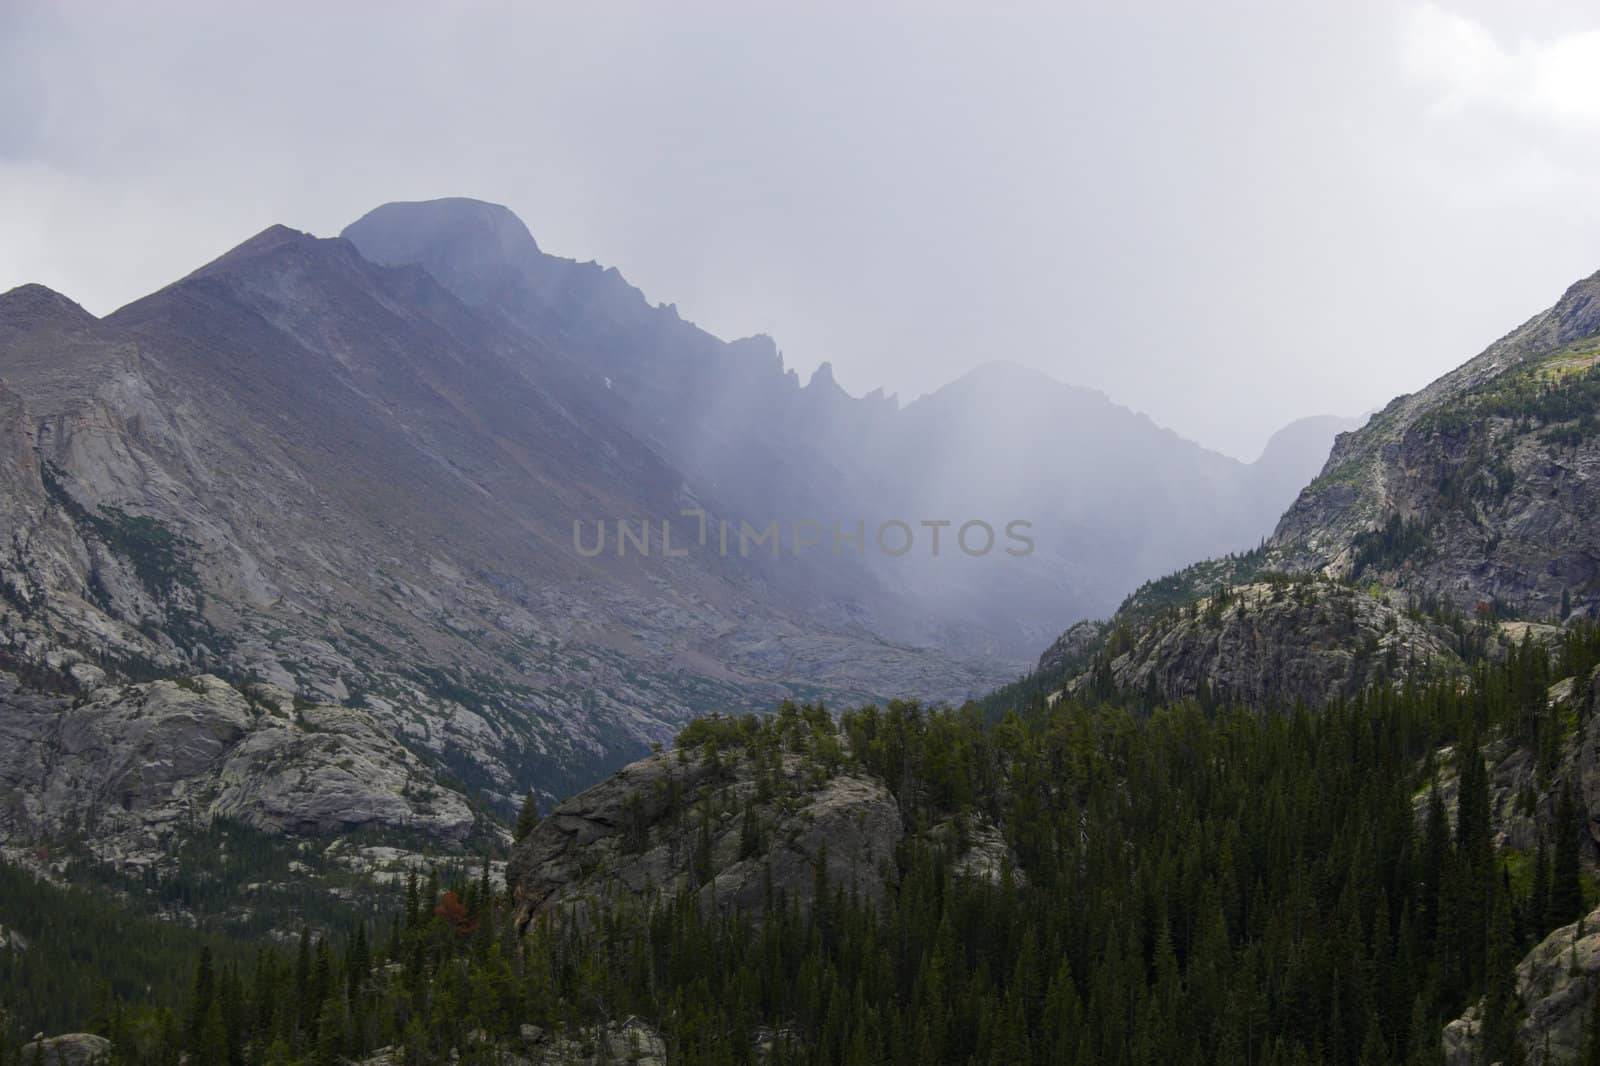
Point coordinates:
[(296, 465), (1471, 502), (1494, 466)]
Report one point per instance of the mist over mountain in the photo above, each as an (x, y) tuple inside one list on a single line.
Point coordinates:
[(1112, 498)]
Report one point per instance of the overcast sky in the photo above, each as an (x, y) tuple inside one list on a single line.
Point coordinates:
[(1224, 215)]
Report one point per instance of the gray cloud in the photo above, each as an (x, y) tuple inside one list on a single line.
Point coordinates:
[(1225, 215)]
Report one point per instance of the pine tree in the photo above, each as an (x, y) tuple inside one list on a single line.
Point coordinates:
[(1501, 1005), (359, 963), (202, 997), (211, 1044), (1539, 899), (750, 833), (1590, 1053), (330, 1032), (413, 903), (1566, 879), (527, 817)]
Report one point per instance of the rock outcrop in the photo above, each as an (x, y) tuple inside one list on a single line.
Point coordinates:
[(1275, 643), (1072, 649), (1556, 983), (682, 820), (758, 824), (69, 1049), (631, 1042)]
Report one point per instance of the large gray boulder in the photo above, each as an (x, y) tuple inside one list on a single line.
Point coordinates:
[(69, 1049)]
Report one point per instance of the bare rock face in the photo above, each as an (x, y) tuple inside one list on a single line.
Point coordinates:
[(133, 763), (1268, 644), (677, 821), (978, 848)]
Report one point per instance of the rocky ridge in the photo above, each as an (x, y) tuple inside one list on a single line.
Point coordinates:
[(1496, 459), (1475, 500), (1280, 642)]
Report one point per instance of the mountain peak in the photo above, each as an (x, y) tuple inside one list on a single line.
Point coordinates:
[(269, 241), (1577, 313), (407, 231), (35, 302)]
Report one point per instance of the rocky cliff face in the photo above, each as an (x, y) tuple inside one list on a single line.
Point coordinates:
[(128, 767)]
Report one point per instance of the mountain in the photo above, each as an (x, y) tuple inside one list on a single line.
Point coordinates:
[(298, 466), (353, 468), (1112, 497)]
